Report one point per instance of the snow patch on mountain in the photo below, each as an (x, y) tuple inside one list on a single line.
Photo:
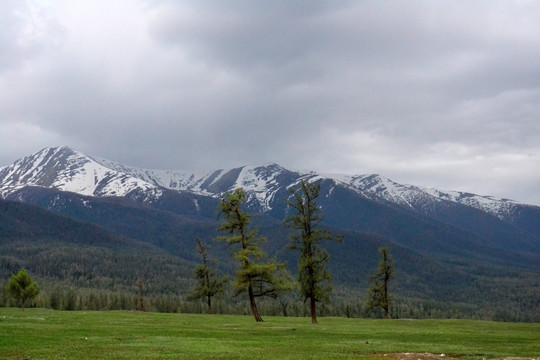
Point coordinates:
[(378, 187), (260, 182), (168, 179), (502, 208)]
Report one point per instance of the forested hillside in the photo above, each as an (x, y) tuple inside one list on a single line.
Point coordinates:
[(82, 265)]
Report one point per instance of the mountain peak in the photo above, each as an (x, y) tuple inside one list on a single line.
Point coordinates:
[(66, 169)]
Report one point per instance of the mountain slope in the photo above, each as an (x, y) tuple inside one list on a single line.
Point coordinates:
[(58, 249)]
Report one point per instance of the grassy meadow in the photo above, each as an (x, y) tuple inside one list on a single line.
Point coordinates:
[(48, 334)]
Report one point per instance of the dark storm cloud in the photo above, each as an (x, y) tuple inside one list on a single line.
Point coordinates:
[(440, 94)]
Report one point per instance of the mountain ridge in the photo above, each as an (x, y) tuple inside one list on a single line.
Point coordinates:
[(506, 223), (96, 176)]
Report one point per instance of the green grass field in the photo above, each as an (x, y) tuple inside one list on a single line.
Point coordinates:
[(48, 334)]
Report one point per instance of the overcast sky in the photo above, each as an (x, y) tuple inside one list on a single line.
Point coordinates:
[(440, 94)]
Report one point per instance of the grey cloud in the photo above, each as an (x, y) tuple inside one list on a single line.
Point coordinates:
[(437, 93), (239, 34)]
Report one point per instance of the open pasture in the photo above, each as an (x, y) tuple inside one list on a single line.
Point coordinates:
[(48, 334)]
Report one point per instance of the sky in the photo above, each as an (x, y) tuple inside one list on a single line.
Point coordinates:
[(442, 94)]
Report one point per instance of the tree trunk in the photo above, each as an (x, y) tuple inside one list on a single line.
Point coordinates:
[(139, 284), (386, 300), (209, 304), (283, 308), (253, 304), (313, 310), (311, 273)]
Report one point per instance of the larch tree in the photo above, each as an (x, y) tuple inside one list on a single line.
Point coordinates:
[(22, 288), (140, 301), (211, 283), (378, 293), (313, 276), (255, 275)]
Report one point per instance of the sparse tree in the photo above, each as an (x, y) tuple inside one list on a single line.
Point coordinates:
[(22, 288), (210, 282), (256, 275), (378, 295), (314, 279), (140, 301)]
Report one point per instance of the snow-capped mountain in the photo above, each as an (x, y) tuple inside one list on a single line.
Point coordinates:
[(65, 169), (418, 198), (260, 182), (74, 184)]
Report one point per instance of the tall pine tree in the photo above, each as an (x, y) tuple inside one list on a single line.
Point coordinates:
[(210, 282), (256, 275), (378, 294), (314, 279)]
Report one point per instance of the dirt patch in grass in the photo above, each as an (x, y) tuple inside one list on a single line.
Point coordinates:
[(428, 356), (418, 356)]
